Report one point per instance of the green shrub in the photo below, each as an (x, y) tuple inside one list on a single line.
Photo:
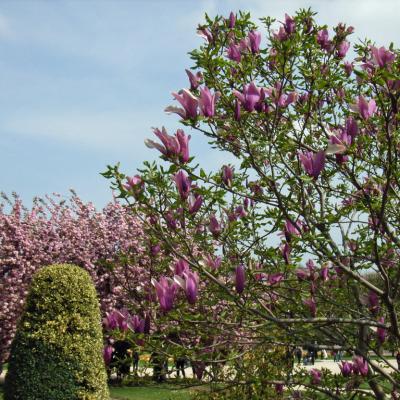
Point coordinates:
[(57, 351)]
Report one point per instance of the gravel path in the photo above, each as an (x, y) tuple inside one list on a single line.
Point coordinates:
[(319, 364)]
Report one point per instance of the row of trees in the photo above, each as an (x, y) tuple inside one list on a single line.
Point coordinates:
[(107, 243), (298, 241)]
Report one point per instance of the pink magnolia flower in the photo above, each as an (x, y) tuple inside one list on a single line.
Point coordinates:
[(184, 145), (254, 40), (232, 20), (338, 144), (194, 79), (274, 279), (244, 45), (194, 202), (373, 302), (213, 263), (316, 376), (302, 274), (240, 212), (189, 283), (324, 273), (360, 366), (173, 146), (382, 57), (227, 175), (207, 102), (323, 40), (205, 34), (166, 292), (110, 322), (183, 184), (250, 97), (214, 226), (312, 275), (281, 35), (171, 143), (117, 319), (312, 306), (137, 324), (343, 49), (348, 67), (381, 332), (233, 52), (180, 267), (107, 354), (292, 229), (364, 108), (171, 220), (280, 98), (285, 250), (313, 163), (393, 85), (303, 98), (289, 25), (189, 103), (351, 128), (240, 278), (134, 183), (346, 368), (237, 110), (155, 249)]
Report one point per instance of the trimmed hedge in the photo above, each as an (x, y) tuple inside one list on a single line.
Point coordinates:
[(57, 351)]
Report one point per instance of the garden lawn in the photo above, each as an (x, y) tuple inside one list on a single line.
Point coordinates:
[(143, 393), (149, 393)]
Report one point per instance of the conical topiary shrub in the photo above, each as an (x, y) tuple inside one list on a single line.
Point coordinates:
[(57, 351)]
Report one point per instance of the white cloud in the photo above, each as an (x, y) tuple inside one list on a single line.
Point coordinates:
[(377, 20)]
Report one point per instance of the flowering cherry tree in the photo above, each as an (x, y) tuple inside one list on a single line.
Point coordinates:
[(297, 242), (56, 231)]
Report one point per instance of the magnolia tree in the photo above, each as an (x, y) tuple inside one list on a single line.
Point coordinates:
[(296, 243), (59, 231)]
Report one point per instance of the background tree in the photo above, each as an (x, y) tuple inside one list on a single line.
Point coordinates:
[(107, 243)]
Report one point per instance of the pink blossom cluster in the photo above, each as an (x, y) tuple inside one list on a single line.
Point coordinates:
[(55, 231)]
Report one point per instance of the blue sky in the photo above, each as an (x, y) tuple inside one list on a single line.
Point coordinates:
[(83, 82)]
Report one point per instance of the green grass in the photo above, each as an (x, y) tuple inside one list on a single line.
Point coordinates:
[(150, 393), (145, 393)]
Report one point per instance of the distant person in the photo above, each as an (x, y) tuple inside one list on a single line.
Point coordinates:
[(298, 354), (121, 358), (180, 366), (289, 360), (398, 359), (135, 361), (314, 352)]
